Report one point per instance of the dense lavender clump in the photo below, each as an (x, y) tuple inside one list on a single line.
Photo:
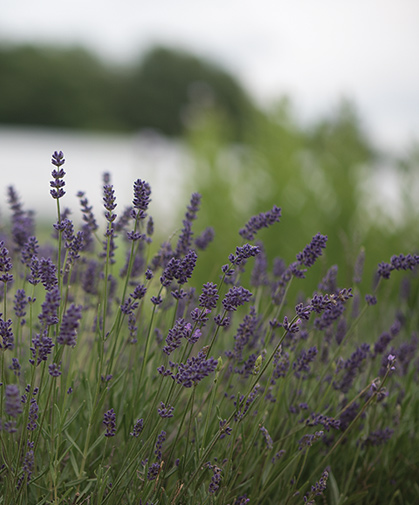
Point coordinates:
[(218, 399)]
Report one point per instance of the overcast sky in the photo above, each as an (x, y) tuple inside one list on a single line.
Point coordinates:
[(316, 51)]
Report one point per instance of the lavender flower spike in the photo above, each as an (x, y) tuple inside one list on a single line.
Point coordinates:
[(5, 264), (141, 201), (13, 405), (262, 220), (69, 326), (236, 296), (57, 184), (312, 251), (109, 420)]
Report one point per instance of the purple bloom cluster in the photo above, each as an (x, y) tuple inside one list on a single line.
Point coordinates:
[(378, 437), (351, 367), (303, 361), (13, 405), (243, 253), (179, 269), (262, 220), (159, 444), (153, 471), (46, 271), (70, 325), (247, 333), (312, 251), (57, 184), (195, 369), (5, 264), (29, 250), (41, 347), (165, 411), (20, 304), (49, 314), (6, 334), (54, 369), (317, 489), (206, 237), (28, 466), (180, 330), (281, 365), (88, 216), (236, 296), (209, 297), (185, 237), (109, 202), (243, 409), (268, 438), (109, 420), (141, 201), (215, 479), (400, 262), (225, 430), (309, 439), (325, 421), (138, 428), (22, 221), (33, 416), (15, 366)]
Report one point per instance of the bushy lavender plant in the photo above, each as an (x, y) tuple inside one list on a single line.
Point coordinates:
[(122, 382)]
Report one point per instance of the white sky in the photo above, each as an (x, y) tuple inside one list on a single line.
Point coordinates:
[(316, 51)]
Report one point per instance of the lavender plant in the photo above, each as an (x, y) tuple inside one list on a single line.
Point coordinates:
[(123, 383)]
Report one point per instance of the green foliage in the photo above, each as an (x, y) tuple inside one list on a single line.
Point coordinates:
[(165, 90)]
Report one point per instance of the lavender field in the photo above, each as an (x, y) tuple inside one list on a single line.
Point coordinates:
[(125, 379)]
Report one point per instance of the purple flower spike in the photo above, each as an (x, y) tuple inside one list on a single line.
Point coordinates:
[(141, 201), (13, 405), (236, 296), (262, 220), (109, 420), (70, 325), (5, 264), (312, 251), (58, 158), (6, 334), (209, 297), (138, 428), (195, 369), (57, 184), (185, 238), (109, 202), (165, 411)]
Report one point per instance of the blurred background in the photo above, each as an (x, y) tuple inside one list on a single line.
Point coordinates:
[(312, 106)]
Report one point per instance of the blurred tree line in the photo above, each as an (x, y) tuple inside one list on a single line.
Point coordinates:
[(72, 88), (326, 176)]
